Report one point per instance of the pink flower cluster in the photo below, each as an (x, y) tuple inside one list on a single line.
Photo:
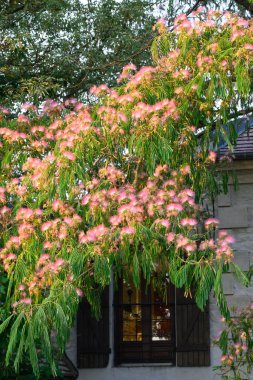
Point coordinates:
[(126, 72), (162, 205), (11, 135), (167, 108), (2, 194)]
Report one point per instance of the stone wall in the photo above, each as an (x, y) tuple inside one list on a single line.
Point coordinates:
[(235, 210)]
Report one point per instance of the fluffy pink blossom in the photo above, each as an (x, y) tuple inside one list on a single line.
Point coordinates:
[(174, 207), (115, 220), (188, 222), (45, 226), (211, 222), (170, 237), (5, 210), (27, 301), (71, 156), (248, 46), (212, 156), (128, 231), (43, 258), (242, 22), (185, 170), (182, 241), (191, 247), (79, 292), (86, 199), (163, 222), (11, 256)]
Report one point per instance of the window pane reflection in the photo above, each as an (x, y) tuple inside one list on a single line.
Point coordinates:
[(161, 318), (132, 329)]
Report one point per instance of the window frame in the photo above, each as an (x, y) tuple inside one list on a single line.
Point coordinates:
[(147, 351)]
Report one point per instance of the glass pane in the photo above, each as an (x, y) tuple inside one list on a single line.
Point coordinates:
[(132, 329), (161, 318)]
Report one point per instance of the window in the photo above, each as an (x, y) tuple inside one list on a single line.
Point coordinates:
[(146, 330), (144, 324)]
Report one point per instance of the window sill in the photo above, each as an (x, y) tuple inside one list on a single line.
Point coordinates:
[(126, 365)]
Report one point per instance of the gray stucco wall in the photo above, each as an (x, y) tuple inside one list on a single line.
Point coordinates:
[(235, 210)]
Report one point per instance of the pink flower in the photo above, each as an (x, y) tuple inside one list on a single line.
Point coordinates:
[(186, 24), (201, 9), (68, 221), (163, 222), (59, 262), (28, 301), (62, 235), (223, 358), (174, 207), (170, 237), (79, 292), (23, 119), (209, 23), (86, 199), (207, 244), (127, 231), (11, 256), (242, 22), (56, 204), (45, 226), (182, 241), (222, 234), (71, 156), (212, 156), (248, 46), (211, 222), (230, 239), (115, 220), (5, 210), (93, 234), (190, 247), (188, 222), (44, 257), (224, 63), (185, 170), (48, 245)]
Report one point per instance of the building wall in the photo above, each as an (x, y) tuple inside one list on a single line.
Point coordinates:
[(235, 211)]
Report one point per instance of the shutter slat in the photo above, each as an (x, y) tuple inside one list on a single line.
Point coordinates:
[(92, 335), (193, 340)]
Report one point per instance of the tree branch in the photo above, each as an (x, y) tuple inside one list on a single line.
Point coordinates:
[(194, 7), (246, 4)]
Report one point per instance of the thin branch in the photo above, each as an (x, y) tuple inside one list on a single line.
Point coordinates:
[(246, 4), (114, 63), (194, 7)]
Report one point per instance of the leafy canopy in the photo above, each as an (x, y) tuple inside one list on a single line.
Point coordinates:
[(119, 185), (60, 48)]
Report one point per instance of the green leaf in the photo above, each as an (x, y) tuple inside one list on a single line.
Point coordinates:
[(30, 345), (238, 273), (13, 337), (204, 286), (5, 324), (136, 271), (223, 341), (20, 350)]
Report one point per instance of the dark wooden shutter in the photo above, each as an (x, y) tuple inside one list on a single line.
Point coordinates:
[(192, 333), (92, 335)]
